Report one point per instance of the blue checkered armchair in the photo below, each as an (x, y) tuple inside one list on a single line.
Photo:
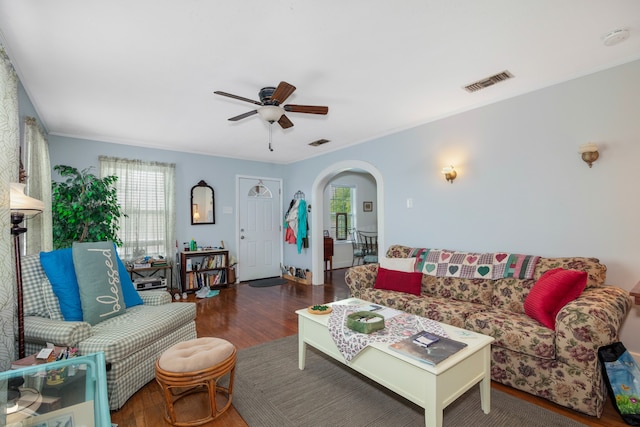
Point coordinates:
[(131, 342)]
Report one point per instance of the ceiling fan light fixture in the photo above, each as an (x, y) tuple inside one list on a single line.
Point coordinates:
[(271, 113)]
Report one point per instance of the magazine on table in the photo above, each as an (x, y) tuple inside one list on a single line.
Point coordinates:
[(428, 347)]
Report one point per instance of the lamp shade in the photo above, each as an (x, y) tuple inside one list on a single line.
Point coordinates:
[(271, 113), (20, 202), (589, 147)]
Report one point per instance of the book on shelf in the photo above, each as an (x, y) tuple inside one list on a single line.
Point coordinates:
[(208, 278), (213, 261), (428, 347)]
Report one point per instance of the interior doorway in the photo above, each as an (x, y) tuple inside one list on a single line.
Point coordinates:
[(317, 200)]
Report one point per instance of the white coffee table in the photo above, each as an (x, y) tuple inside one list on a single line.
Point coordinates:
[(431, 387)]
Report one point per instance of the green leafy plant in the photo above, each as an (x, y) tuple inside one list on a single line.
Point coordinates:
[(84, 208)]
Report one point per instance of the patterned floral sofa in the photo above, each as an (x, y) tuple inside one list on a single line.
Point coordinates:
[(561, 365)]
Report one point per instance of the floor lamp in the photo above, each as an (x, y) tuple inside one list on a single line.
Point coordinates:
[(21, 205)]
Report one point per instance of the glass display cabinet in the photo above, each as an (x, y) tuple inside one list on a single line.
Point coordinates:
[(69, 392)]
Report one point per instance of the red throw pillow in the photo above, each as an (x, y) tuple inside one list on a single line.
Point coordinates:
[(394, 280), (555, 289)]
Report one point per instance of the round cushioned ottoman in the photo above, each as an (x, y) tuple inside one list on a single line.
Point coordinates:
[(197, 366)]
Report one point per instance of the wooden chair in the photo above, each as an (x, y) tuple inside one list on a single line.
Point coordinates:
[(357, 247), (370, 244)]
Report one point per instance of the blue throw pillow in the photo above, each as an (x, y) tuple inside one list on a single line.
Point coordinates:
[(58, 265), (131, 296)]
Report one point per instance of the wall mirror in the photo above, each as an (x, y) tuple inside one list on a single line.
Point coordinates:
[(202, 204)]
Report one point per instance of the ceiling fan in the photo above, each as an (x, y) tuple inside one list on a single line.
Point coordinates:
[(270, 108)]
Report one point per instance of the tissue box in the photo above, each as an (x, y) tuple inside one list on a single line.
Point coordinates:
[(365, 322)]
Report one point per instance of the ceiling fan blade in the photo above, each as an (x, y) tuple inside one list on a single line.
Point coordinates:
[(309, 109), (241, 98), (242, 116), (285, 122), (282, 92)]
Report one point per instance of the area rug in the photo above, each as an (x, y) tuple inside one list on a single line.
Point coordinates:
[(264, 283), (270, 390)]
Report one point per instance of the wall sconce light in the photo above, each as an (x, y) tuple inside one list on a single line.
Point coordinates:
[(449, 173), (589, 152)]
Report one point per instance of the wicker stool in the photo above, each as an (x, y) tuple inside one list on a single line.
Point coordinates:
[(196, 366)]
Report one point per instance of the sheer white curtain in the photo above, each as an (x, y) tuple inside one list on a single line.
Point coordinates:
[(36, 151), (146, 192), (9, 164)]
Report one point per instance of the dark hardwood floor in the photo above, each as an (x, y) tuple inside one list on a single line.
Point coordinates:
[(249, 316)]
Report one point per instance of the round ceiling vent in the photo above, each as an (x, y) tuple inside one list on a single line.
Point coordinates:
[(616, 36)]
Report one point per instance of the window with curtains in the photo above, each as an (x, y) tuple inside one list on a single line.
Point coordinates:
[(146, 192), (342, 215), (38, 185)]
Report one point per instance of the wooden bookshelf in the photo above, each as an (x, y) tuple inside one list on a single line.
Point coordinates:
[(204, 268)]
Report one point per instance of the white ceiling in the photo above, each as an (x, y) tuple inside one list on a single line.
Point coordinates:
[(143, 72)]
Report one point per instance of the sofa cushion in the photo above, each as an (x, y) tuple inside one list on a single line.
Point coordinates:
[(38, 297), (401, 281), (596, 272), (514, 331), (139, 327), (58, 265), (399, 264), (443, 310), (509, 293), (50, 300), (478, 291), (98, 281), (553, 291)]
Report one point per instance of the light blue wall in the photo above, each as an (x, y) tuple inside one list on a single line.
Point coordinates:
[(521, 184), (220, 173)]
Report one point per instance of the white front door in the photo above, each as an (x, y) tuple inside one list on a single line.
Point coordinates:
[(259, 227)]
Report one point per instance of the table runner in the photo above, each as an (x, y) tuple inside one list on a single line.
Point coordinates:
[(350, 342)]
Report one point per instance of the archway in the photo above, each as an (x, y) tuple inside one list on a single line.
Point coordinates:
[(317, 201)]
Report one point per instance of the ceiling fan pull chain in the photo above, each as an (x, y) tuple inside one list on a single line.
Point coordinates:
[(270, 129)]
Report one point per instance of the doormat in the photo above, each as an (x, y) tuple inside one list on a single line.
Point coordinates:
[(265, 283)]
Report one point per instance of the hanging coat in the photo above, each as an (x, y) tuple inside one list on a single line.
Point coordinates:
[(291, 223), (302, 223)]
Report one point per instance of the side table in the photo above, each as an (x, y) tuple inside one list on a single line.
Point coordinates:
[(65, 392)]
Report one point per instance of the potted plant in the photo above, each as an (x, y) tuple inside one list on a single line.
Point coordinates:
[(84, 208)]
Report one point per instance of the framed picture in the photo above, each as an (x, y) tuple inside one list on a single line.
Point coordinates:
[(367, 206)]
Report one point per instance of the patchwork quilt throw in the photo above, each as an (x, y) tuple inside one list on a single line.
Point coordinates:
[(470, 265)]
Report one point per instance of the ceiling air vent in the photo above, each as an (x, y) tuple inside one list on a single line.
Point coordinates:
[(318, 142), (489, 81)]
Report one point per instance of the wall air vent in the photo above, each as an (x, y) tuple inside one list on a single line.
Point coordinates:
[(489, 81), (318, 142)]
